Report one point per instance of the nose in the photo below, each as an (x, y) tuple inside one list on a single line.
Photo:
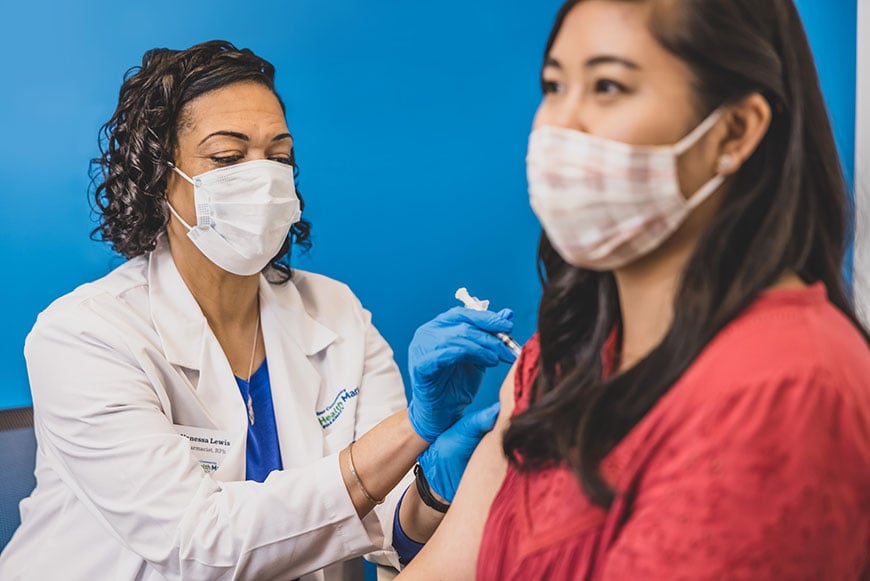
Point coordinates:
[(567, 111)]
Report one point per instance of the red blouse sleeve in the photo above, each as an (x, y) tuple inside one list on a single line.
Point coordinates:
[(526, 372), (770, 483)]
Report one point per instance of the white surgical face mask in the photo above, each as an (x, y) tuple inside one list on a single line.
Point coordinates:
[(243, 213), (604, 203)]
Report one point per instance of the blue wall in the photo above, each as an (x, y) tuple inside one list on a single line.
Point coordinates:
[(832, 28), (410, 121)]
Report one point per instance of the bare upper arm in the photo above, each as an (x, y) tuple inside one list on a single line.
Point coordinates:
[(451, 553)]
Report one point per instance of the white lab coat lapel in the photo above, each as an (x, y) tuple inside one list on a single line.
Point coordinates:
[(189, 342), (292, 337), (217, 386)]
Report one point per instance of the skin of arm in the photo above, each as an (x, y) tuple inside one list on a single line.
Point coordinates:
[(381, 459), (451, 553), (418, 520)]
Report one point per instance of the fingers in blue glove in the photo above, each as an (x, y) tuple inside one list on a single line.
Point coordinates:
[(481, 349), (447, 359), (481, 422), (444, 462), (430, 336), (503, 351), (506, 314), (498, 322)]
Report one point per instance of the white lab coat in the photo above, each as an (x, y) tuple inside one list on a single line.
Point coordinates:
[(117, 362)]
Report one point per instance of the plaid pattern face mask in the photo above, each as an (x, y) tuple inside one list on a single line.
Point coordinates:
[(604, 204)]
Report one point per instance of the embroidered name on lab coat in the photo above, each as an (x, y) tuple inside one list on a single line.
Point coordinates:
[(330, 413)]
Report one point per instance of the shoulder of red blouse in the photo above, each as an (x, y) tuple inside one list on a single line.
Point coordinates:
[(755, 462), (527, 371)]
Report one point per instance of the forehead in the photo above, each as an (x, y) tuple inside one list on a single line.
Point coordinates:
[(237, 107), (595, 27)]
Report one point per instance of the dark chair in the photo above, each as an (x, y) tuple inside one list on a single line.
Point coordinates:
[(17, 461)]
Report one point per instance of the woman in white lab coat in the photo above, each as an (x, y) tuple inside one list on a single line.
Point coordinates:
[(195, 409)]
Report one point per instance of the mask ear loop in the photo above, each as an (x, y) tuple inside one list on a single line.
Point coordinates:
[(705, 191), (691, 140), (700, 131), (726, 160), (171, 209), (186, 177)]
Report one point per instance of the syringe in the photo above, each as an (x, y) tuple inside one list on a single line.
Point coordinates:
[(476, 304)]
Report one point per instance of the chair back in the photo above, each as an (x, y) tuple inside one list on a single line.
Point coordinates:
[(17, 462)]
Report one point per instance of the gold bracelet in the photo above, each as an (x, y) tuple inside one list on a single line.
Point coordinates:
[(358, 481)]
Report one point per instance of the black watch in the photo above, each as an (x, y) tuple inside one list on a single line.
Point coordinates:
[(426, 493)]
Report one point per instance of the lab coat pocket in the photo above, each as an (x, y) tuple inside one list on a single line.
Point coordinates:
[(209, 447)]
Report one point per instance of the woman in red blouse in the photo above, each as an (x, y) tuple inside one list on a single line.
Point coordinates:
[(696, 403)]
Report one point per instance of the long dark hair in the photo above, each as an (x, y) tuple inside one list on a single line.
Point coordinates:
[(786, 210), (138, 143)]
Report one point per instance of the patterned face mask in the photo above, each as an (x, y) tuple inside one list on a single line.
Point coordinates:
[(604, 204), (243, 213)]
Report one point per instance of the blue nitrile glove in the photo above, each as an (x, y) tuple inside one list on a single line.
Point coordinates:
[(447, 358), (444, 462)]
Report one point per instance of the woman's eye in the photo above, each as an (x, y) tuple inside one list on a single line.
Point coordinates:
[(225, 159), (282, 159), (549, 87), (608, 87)]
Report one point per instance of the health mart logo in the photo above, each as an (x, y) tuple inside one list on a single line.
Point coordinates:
[(328, 415)]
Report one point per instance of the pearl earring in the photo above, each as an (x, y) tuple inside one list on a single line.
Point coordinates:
[(725, 162)]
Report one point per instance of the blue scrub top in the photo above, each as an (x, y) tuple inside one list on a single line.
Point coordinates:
[(263, 453)]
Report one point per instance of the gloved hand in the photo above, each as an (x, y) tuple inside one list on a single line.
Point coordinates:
[(444, 462), (447, 358)]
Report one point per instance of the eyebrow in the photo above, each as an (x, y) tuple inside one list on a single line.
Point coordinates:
[(242, 136), (611, 60), (551, 62), (595, 61)]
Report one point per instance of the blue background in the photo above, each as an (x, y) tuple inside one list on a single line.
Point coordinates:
[(410, 121)]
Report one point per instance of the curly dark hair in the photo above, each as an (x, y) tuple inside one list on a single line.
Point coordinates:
[(137, 144)]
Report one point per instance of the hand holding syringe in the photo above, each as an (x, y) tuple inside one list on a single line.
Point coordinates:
[(476, 304), (447, 359)]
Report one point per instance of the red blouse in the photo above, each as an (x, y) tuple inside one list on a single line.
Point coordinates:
[(755, 465)]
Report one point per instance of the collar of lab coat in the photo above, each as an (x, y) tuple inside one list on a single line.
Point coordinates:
[(182, 326), (291, 337)]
